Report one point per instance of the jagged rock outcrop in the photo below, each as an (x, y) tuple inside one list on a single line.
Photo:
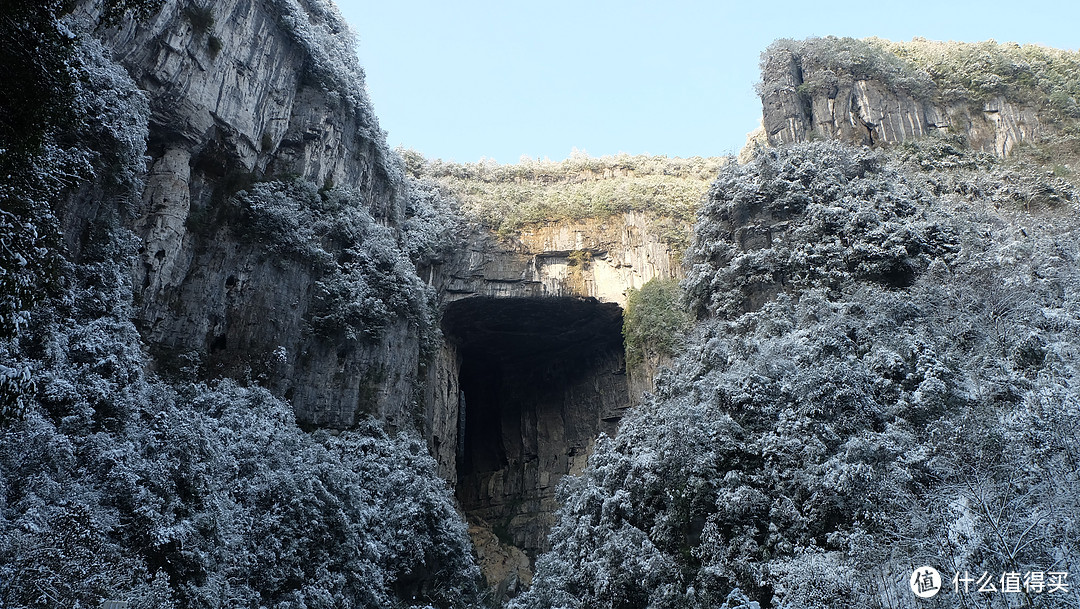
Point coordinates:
[(236, 84), (237, 93), (803, 100), (599, 259)]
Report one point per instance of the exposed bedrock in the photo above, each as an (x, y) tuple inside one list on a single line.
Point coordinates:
[(534, 368), (237, 93), (539, 378), (866, 111), (591, 258), (532, 323)]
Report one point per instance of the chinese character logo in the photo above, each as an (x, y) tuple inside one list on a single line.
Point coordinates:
[(925, 582)]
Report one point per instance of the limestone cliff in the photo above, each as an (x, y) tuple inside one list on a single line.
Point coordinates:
[(874, 92), (264, 96), (596, 258), (241, 91), (534, 370)]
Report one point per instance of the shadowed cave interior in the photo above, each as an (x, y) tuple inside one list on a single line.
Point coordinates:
[(540, 378)]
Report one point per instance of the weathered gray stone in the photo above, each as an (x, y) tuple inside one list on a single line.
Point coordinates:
[(865, 111), (236, 101), (786, 117), (230, 101)]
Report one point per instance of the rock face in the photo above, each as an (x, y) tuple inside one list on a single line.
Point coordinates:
[(539, 380), (531, 369), (534, 366), (599, 259), (866, 111), (594, 259), (236, 94)]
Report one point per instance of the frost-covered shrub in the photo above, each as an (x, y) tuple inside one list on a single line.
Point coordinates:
[(811, 215), (210, 495), (944, 72), (938, 152), (70, 118), (217, 492), (365, 278), (832, 61), (433, 228), (202, 496), (116, 118), (508, 197), (810, 450)]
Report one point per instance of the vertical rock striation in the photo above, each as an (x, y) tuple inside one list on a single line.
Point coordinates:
[(248, 91), (803, 99), (241, 91), (534, 353)]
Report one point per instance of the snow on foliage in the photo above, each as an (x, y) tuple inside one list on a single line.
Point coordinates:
[(434, 224), (367, 271), (117, 485), (75, 118), (317, 25), (217, 492), (827, 427)]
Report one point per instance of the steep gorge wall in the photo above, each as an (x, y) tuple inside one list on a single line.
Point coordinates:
[(592, 259), (534, 356), (235, 97), (864, 110), (237, 94)]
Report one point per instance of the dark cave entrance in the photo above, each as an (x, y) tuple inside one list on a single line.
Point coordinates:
[(540, 379)]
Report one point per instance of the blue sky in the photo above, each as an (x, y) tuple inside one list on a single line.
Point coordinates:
[(465, 80)]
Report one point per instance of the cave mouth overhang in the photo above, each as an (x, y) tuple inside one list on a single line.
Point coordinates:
[(524, 329), (539, 380)]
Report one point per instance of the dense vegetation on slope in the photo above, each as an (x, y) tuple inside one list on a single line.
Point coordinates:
[(888, 381), (654, 322), (509, 197), (367, 271), (65, 113), (882, 374), (115, 484)]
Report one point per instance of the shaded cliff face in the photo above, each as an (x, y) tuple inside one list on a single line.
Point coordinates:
[(539, 380), (596, 260), (809, 92), (217, 296), (533, 370), (239, 92)]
